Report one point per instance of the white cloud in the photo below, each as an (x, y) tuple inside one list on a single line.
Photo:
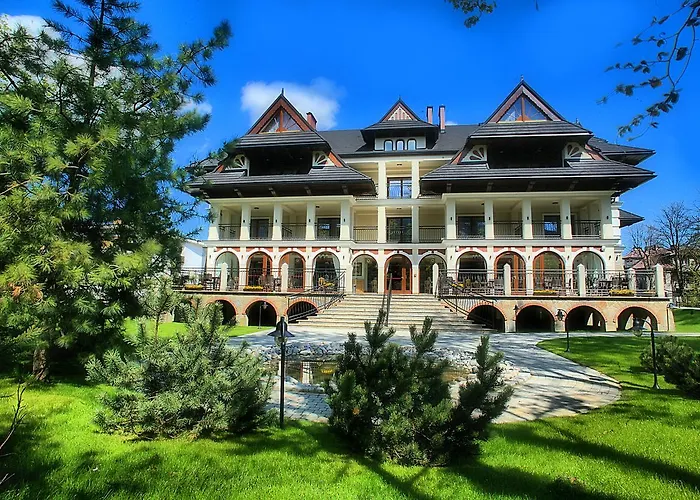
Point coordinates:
[(320, 97), (33, 24), (200, 107), (448, 122)]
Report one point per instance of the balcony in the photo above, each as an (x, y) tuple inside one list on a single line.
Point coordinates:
[(293, 232), (549, 229), (431, 234), (586, 229), (365, 233), (399, 235), (229, 231), (508, 230), (327, 232)]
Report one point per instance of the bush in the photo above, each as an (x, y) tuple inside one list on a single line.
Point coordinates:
[(677, 361), (390, 405), (192, 384)]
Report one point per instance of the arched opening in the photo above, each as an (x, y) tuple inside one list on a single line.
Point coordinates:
[(489, 316), (261, 313), (471, 265), (260, 271), (548, 272), (590, 260), (365, 274), (517, 271), (585, 319), (398, 274), (301, 310), (388, 145), (625, 320), (326, 270), (534, 319), (425, 271), (228, 311), (231, 262), (596, 284), (295, 262)]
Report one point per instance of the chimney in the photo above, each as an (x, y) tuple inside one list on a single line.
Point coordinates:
[(441, 117), (311, 119), (429, 114)]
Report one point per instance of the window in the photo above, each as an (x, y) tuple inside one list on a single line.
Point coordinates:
[(398, 229), (471, 226), (328, 228), (523, 110), (388, 145), (411, 145), (399, 145), (399, 188), (551, 225), (259, 229), (281, 122)]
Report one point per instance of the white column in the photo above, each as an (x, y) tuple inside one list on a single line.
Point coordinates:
[(632, 280), (311, 221), (345, 220), (488, 219), (436, 278), (565, 218), (581, 274), (415, 277), (451, 220), (223, 277), (660, 288), (382, 181), (381, 276), (349, 279), (530, 280), (527, 219), (415, 179), (277, 222), (381, 225), (245, 221), (507, 280), (284, 277), (415, 224), (606, 227), (214, 225)]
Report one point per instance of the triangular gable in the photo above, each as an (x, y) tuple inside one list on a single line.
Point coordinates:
[(524, 104), (400, 112), (283, 111)]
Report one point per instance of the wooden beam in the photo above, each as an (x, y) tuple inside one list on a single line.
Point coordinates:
[(238, 192), (449, 187), (489, 187), (573, 184), (308, 190), (345, 189), (272, 191), (530, 186)]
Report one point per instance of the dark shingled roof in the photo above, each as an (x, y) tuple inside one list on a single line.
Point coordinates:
[(606, 147), (281, 139), (529, 129), (583, 168), (401, 124), (628, 218)]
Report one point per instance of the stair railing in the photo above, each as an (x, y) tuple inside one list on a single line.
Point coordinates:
[(319, 297), (460, 299), (387, 296)]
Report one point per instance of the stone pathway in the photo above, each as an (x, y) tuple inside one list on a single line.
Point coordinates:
[(557, 387)]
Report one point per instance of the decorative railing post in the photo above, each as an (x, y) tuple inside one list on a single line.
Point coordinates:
[(581, 280), (223, 277), (660, 288), (507, 280), (284, 277)]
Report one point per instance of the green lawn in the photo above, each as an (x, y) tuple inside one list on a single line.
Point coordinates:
[(169, 330), (646, 446), (687, 320)]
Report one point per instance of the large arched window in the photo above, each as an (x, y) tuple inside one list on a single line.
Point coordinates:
[(400, 145), (388, 145), (411, 145)]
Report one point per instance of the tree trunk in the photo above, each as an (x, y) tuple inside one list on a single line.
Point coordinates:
[(40, 365)]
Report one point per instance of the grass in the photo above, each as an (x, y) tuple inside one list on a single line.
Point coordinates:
[(687, 320), (171, 329), (645, 446)]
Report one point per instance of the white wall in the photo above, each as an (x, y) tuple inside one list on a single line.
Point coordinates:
[(193, 254)]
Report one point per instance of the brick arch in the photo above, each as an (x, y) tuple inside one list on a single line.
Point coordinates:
[(483, 313), (626, 314), (534, 317), (578, 318), (247, 311)]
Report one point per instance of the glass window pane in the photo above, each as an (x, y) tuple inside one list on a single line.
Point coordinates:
[(406, 191), (514, 113), (532, 113), (271, 126), (411, 144), (399, 145), (388, 145)]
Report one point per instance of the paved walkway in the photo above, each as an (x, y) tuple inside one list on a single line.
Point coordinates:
[(556, 387)]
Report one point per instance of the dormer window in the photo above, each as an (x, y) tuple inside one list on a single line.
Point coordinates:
[(388, 145), (523, 110), (400, 145), (411, 145), (281, 122)]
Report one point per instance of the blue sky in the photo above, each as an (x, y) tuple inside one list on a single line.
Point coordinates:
[(349, 61)]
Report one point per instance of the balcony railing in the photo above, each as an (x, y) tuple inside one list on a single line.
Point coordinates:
[(546, 230), (586, 229), (229, 231), (399, 235), (431, 234), (326, 232), (365, 233), (470, 234), (293, 232), (508, 230)]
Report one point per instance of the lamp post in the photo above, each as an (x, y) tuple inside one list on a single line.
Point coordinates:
[(638, 327), (262, 307), (561, 314), (281, 334)]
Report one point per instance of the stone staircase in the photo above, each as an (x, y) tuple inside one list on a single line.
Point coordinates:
[(349, 315)]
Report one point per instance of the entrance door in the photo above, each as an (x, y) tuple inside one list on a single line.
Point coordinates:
[(398, 274)]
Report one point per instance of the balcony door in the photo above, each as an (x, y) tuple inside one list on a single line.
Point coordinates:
[(471, 226), (398, 274), (260, 229), (399, 230)]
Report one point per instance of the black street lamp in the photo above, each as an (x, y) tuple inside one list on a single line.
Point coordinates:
[(262, 307), (561, 314), (638, 327), (281, 334)]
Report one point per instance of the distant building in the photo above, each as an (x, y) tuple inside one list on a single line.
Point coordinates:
[(193, 255)]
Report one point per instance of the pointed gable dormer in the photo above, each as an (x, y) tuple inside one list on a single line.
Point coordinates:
[(400, 129), (280, 116), (523, 104)]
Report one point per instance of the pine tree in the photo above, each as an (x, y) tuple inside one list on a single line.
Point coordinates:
[(89, 116)]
